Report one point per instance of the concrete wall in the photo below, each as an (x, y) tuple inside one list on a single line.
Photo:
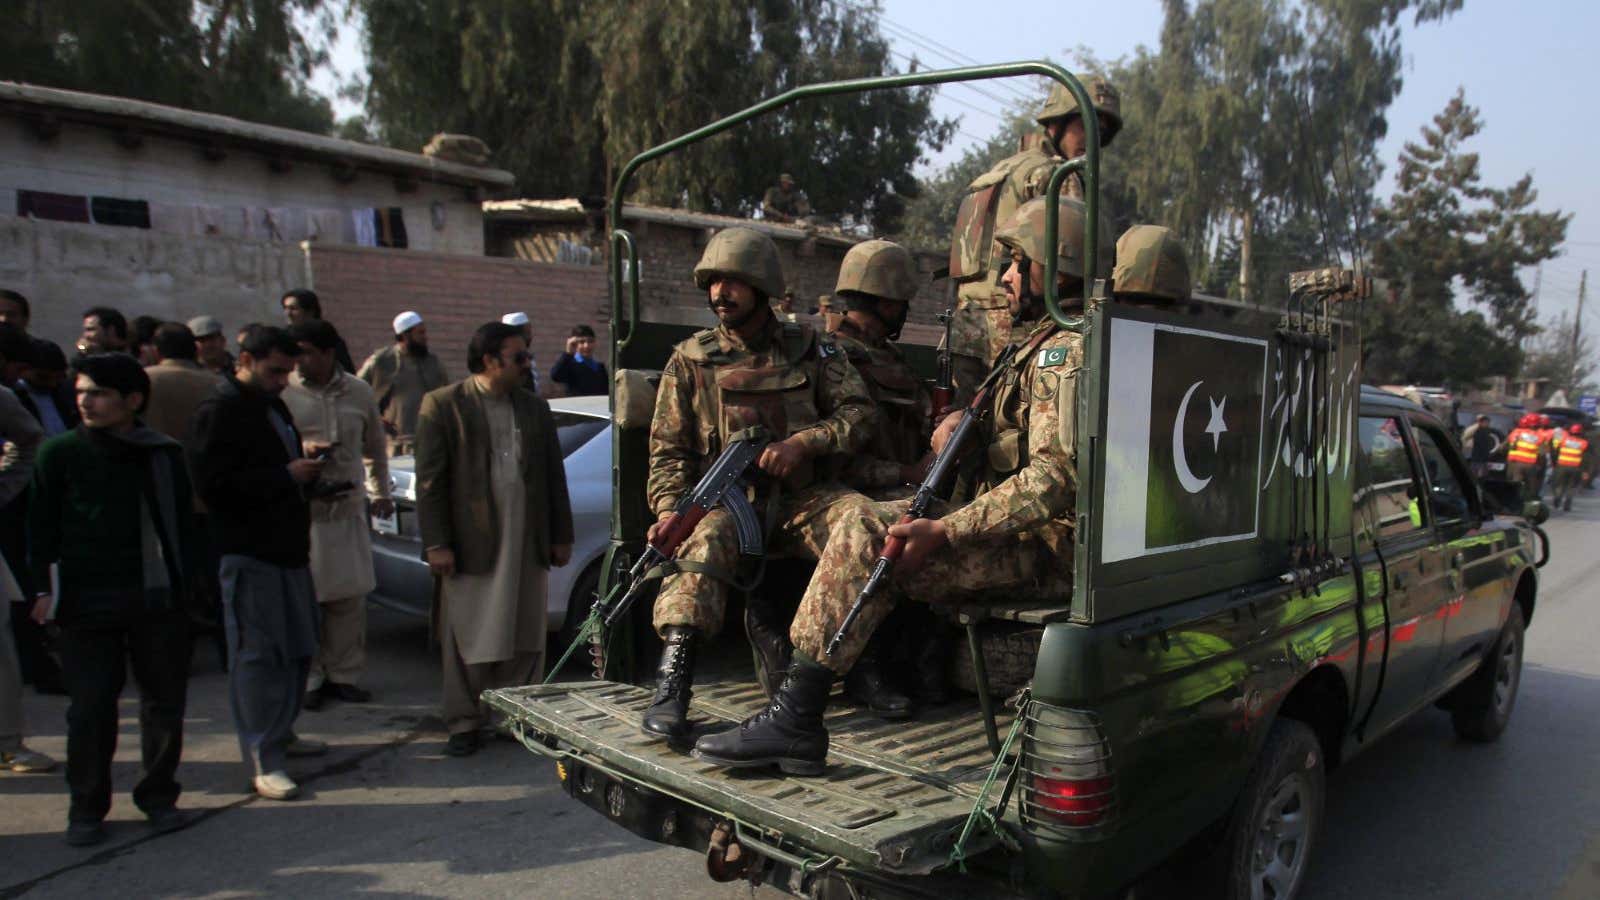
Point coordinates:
[(362, 289), (88, 160), (64, 268)]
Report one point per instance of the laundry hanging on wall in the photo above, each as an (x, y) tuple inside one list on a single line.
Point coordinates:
[(368, 226), (56, 207), (119, 211)]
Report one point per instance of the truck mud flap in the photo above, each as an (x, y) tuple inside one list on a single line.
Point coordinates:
[(892, 800)]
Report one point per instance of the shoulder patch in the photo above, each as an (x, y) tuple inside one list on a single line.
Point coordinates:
[(827, 349), (1052, 356)]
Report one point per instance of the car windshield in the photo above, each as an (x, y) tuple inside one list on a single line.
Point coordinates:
[(574, 430)]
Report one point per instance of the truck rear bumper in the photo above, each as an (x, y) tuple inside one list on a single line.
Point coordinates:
[(664, 819)]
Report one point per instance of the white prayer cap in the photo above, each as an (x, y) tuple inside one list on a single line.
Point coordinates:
[(518, 319), (406, 321)]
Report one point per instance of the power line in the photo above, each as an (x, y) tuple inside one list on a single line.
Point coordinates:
[(946, 51), (969, 87)]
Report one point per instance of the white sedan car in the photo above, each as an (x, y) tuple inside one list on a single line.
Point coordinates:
[(584, 428)]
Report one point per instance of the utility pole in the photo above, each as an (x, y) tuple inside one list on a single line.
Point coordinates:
[(1538, 282), (1577, 322)]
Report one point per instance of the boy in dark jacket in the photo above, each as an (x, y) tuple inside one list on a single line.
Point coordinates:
[(111, 509)]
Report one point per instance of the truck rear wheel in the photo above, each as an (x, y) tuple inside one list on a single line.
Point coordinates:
[(1481, 707), (1277, 819)]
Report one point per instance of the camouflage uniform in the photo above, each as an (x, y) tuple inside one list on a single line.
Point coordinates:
[(788, 379), (903, 402), (982, 326), (874, 272), (785, 206), (1016, 537)]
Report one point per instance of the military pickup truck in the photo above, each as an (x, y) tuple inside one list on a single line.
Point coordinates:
[(1274, 566)]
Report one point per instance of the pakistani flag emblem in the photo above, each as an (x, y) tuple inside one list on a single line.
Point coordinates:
[(1183, 432)]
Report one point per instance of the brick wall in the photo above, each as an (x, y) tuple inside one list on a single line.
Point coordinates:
[(362, 289)]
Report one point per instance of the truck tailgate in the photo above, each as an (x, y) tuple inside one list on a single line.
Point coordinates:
[(893, 799)]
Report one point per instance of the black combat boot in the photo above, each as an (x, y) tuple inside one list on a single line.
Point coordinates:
[(668, 713), (932, 648), (788, 734), (868, 686), (770, 646)]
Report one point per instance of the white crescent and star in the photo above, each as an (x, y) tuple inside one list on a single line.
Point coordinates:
[(1215, 427)]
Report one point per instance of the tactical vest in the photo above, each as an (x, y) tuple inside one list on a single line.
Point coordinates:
[(734, 395), (1570, 456), (1007, 453), (987, 203), (901, 435), (1524, 447)]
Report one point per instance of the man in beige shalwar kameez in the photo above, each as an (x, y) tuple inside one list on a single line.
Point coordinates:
[(494, 514), (336, 415)]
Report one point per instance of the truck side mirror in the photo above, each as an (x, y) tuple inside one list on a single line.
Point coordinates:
[(1535, 511)]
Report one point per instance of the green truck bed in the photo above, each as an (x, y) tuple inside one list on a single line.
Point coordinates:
[(893, 799)]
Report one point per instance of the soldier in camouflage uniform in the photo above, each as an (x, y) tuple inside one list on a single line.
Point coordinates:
[(1152, 267), (1014, 539), (983, 326), (750, 370), (877, 282)]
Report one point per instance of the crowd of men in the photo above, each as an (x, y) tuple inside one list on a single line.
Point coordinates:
[(159, 484)]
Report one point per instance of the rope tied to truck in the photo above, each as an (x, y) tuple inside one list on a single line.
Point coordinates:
[(981, 816)]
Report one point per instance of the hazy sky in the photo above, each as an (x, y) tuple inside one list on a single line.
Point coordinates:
[(1530, 67)]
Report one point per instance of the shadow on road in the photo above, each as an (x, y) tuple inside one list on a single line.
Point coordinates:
[(1424, 814)]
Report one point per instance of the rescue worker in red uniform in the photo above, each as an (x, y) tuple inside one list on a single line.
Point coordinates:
[(1570, 450), (1525, 455)]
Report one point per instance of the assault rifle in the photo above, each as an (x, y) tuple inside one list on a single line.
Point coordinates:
[(944, 387), (722, 485), (974, 412)]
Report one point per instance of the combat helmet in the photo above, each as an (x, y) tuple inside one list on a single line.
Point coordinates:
[(879, 269), (1151, 263), (1107, 101), (1025, 231), (745, 254)]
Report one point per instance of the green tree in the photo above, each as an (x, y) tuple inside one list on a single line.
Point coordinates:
[(1256, 125), (1445, 229), (252, 59), (565, 93)]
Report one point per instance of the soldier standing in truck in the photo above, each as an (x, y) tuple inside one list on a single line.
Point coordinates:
[(751, 370), (983, 324), (1014, 538)]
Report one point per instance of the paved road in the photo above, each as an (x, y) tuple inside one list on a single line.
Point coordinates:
[(1421, 815)]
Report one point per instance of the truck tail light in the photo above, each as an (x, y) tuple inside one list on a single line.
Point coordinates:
[(1072, 802), (1067, 784)]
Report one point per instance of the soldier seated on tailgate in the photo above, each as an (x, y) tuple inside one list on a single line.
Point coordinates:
[(750, 370), (1014, 539), (877, 282), (983, 325), (1152, 267)]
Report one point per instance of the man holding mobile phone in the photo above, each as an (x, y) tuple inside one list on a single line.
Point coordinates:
[(339, 424), (252, 472)]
